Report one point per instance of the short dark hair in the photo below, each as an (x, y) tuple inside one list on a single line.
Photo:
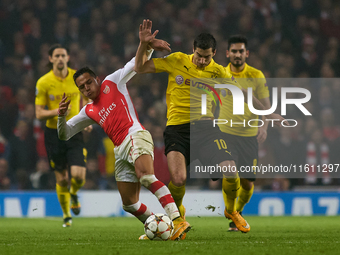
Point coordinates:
[(51, 50), (205, 41), (237, 39), (82, 71)]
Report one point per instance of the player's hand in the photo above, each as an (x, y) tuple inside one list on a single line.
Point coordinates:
[(160, 45), (63, 106), (261, 134), (278, 119), (145, 34)]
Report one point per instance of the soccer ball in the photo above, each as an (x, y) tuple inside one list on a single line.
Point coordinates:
[(158, 227)]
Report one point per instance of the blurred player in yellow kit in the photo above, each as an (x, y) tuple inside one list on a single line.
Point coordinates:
[(242, 139), (62, 155)]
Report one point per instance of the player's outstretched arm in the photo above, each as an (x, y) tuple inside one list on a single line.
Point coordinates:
[(142, 64), (41, 113), (76, 124)]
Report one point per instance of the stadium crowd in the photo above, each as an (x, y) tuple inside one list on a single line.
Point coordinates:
[(286, 39)]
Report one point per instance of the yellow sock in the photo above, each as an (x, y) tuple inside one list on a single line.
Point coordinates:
[(64, 198), (75, 186), (230, 190), (177, 194), (243, 198)]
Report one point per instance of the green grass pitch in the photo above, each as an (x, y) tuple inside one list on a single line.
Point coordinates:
[(268, 235)]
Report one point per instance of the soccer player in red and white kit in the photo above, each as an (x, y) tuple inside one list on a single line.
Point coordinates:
[(113, 110)]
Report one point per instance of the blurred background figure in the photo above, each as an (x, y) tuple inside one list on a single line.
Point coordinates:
[(5, 181), (42, 177)]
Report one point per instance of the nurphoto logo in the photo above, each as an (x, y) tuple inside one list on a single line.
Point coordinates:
[(238, 104)]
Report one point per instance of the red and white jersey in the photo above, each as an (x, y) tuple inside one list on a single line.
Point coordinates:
[(112, 109)]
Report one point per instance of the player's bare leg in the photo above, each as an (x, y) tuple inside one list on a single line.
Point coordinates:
[(78, 179), (178, 174), (63, 196), (129, 192), (145, 172)]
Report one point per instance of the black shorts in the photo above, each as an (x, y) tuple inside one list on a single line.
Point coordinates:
[(64, 154), (208, 144), (245, 152), (177, 138)]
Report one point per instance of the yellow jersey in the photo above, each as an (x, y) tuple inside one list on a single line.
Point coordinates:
[(50, 90), (249, 77), (183, 105)]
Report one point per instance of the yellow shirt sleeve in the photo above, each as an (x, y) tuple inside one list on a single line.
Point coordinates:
[(40, 94), (262, 90), (166, 63)]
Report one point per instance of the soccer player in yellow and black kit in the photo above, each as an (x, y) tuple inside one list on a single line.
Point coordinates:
[(242, 139), (181, 68), (62, 155)]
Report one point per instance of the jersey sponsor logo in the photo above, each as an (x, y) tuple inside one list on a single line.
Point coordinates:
[(106, 90), (36, 91), (207, 89), (58, 98), (103, 113), (179, 79)]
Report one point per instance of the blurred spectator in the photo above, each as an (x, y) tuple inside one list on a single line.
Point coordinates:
[(130, 45), (317, 152), (93, 175), (60, 33), (42, 178), (5, 181), (280, 183), (330, 131), (33, 40), (73, 31), (8, 111), (22, 155), (114, 38), (14, 72), (3, 146), (286, 149)]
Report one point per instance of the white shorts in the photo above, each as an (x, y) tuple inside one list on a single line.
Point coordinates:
[(133, 146)]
